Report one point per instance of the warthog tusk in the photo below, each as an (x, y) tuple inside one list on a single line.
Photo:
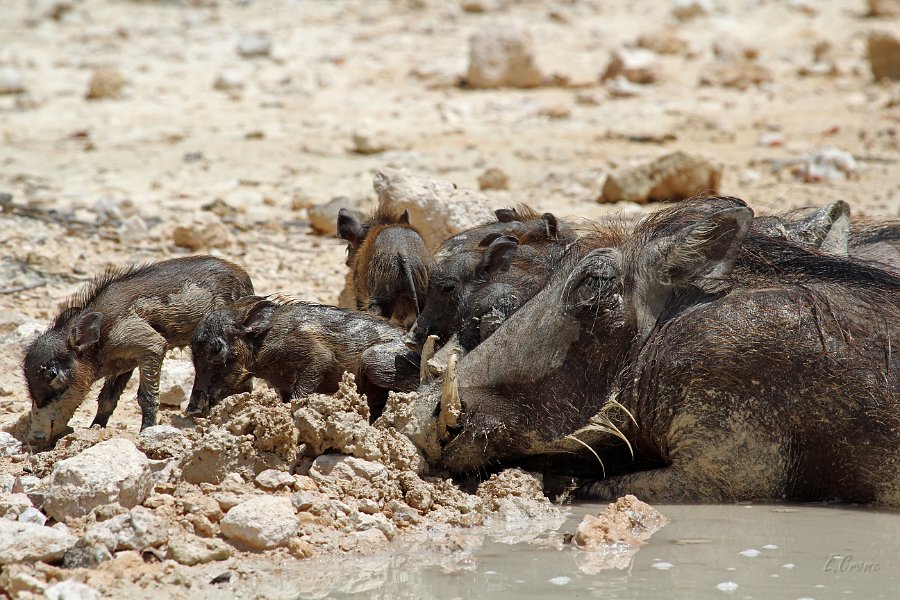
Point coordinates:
[(451, 407), (428, 350)]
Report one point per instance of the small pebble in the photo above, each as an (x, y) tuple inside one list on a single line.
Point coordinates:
[(788, 565), (770, 547), (662, 565), (750, 553), (561, 580), (727, 586)]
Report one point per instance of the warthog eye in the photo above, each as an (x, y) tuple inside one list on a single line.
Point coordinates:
[(50, 372)]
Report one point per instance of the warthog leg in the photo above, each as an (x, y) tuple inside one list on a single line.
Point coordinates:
[(109, 397)]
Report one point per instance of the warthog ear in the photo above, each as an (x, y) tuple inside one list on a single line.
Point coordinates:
[(349, 227), (703, 253), (551, 225), (85, 332), (498, 256), (506, 215), (827, 228), (259, 317), (404, 218)]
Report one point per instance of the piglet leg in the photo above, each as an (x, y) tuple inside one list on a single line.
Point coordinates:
[(109, 397)]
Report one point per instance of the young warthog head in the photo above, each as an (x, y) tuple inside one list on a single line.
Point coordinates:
[(223, 351), (554, 365), (59, 369), (486, 273), (389, 263)]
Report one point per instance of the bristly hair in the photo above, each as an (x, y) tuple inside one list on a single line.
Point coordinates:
[(874, 232), (385, 216), (81, 299), (523, 212)]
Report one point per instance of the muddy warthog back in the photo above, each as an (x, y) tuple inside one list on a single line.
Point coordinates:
[(715, 363), (298, 348), (389, 265), (124, 319)]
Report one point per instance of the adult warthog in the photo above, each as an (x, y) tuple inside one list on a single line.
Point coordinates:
[(733, 365)]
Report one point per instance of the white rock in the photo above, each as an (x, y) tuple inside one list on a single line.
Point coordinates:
[(29, 542), (194, 550), (229, 80), (9, 445), (175, 382), (272, 479), (13, 505), (437, 209), (137, 529), (261, 523), (11, 81), (133, 230), (114, 471), (339, 466), (251, 46), (71, 590), (361, 522), (7, 482), (162, 441), (826, 164), (502, 56), (32, 515)]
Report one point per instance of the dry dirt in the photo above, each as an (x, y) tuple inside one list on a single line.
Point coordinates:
[(349, 87)]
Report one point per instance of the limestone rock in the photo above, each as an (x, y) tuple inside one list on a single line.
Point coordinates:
[(11, 81), (437, 209), (884, 8), (493, 178), (884, 55), (740, 74), (502, 56), (252, 46), (674, 176), (194, 550), (272, 479), (137, 529), (201, 230), (71, 590), (13, 505), (261, 523), (114, 471), (637, 65), (106, 82), (29, 542), (162, 441), (229, 80), (9, 444), (175, 382), (688, 9)]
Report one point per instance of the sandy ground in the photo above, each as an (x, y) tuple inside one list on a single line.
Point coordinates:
[(170, 143)]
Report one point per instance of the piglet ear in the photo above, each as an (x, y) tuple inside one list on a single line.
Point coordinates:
[(349, 228), (404, 218), (85, 332), (827, 228), (498, 256), (551, 225), (703, 254), (506, 215), (259, 317)]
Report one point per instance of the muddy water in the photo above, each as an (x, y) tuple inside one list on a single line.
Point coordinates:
[(727, 552)]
